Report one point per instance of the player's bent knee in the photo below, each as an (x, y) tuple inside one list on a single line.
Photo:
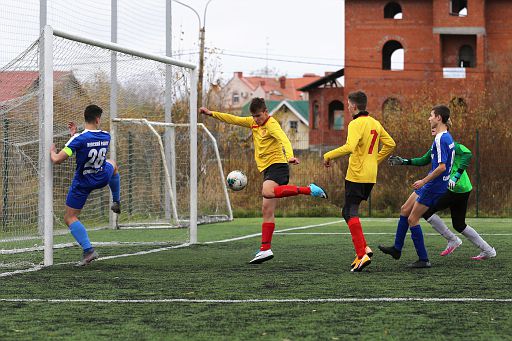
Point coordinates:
[(113, 163), (459, 226), (412, 221)]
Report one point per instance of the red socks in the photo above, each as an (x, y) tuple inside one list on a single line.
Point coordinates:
[(289, 191), (358, 240), (267, 229)]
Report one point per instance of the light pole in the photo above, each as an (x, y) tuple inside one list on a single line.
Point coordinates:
[(201, 49)]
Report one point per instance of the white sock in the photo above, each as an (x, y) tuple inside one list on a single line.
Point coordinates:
[(475, 238), (439, 225)]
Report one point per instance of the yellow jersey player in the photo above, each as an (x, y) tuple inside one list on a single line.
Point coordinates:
[(272, 152), (364, 136)]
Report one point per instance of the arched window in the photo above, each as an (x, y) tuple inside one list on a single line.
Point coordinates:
[(391, 107), (459, 8), (315, 119), (466, 56), (393, 11), (336, 121), (393, 56)]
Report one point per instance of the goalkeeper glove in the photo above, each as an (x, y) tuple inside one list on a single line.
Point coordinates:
[(395, 160), (453, 180)]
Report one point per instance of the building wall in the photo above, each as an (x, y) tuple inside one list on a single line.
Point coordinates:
[(299, 139), (498, 14), (236, 85), (426, 33), (322, 135)]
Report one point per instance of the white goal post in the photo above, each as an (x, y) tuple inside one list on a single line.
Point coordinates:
[(46, 123), (170, 175)]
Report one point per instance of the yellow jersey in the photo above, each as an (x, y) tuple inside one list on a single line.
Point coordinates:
[(364, 136), (271, 145)]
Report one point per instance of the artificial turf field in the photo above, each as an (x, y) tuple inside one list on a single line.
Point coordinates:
[(209, 292)]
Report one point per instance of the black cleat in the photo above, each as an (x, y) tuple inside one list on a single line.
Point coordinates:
[(420, 264), (390, 250), (116, 207)]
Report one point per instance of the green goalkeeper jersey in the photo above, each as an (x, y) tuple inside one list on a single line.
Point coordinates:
[(461, 161)]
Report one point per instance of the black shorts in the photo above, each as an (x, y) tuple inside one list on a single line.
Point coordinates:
[(458, 204), (355, 192), (277, 172)]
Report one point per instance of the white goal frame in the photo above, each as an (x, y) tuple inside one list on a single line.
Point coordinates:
[(45, 215), (168, 172)]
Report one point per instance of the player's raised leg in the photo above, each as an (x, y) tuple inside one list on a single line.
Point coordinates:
[(115, 185), (292, 190)]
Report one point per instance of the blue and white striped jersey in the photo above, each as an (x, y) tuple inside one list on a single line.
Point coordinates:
[(443, 151), (90, 148)]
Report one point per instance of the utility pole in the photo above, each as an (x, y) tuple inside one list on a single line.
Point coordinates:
[(202, 30)]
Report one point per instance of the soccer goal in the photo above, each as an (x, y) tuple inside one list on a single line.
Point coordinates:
[(168, 179)]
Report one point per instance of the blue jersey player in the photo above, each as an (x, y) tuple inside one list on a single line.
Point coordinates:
[(427, 190), (93, 171)]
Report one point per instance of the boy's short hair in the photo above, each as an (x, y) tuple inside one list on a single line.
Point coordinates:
[(443, 111), (359, 99), (257, 105), (91, 112)]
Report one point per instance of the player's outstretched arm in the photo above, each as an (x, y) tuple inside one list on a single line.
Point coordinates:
[(228, 118), (57, 158)]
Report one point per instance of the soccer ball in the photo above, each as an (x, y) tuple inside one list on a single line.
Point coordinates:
[(236, 180)]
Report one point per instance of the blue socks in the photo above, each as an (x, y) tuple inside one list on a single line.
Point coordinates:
[(417, 238), (401, 232), (78, 231), (114, 185)]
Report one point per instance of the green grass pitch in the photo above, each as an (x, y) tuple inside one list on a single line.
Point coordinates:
[(209, 292)]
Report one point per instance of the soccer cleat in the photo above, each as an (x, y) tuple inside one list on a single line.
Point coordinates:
[(452, 245), (116, 207), (262, 256), (420, 264), (485, 255), (368, 251), (317, 191), (361, 263), (390, 250), (88, 257), (354, 263)]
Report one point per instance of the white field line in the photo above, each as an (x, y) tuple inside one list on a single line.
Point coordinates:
[(376, 233), (140, 253), (289, 300)]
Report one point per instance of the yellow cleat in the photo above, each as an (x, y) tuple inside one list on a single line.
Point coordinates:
[(361, 263), (354, 263)]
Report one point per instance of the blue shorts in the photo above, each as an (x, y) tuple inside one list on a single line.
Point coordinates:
[(427, 197), (79, 191)]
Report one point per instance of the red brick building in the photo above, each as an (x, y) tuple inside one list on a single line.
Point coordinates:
[(327, 116), (395, 49)]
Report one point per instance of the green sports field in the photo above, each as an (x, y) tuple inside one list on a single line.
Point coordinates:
[(209, 292)]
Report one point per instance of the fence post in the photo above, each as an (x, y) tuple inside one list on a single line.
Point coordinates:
[(370, 206), (477, 172)]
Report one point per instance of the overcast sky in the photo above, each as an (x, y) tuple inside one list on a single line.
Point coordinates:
[(291, 36)]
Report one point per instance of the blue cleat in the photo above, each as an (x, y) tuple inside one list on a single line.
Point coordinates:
[(317, 191)]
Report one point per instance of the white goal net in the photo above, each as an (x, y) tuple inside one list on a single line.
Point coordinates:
[(170, 172)]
